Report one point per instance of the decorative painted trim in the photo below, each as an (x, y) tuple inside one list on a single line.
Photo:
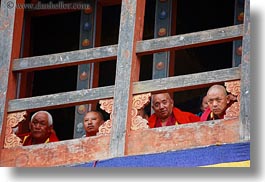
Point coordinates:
[(233, 111), (138, 123), (13, 119), (139, 102)]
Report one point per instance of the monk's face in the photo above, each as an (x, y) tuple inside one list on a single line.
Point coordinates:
[(217, 101), (162, 105), (39, 127), (92, 122)]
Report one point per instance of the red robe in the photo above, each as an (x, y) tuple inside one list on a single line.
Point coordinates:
[(27, 140), (181, 117), (208, 115)]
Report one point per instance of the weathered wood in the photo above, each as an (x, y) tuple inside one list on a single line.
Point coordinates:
[(8, 51), (66, 59), (161, 60), (176, 83), (186, 82), (156, 140), (57, 153), (60, 100), (245, 78), (202, 38), (146, 141), (85, 71), (131, 28), (239, 8), (143, 47)]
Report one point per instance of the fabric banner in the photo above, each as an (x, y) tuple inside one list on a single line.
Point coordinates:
[(227, 155)]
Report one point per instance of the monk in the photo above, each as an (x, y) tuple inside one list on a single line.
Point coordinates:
[(218, 102), (203, 105), (166, 114), (41, 129), (92, 121)]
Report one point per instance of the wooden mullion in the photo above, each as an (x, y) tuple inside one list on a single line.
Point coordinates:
[(175, 83), (236, 56), (130, 32), (245, 78), (162, 58), (10, 40), (85, 81), (172, 54)]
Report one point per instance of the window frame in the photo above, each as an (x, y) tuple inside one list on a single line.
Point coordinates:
[(126, 86)]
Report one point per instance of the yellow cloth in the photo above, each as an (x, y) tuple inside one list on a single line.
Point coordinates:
[(231, 164)]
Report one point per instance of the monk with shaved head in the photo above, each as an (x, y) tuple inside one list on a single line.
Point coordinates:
[(218, 101), (166, 114)]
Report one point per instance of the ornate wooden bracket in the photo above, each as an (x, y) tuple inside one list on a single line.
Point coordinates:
[(106, 105), (13, 119), (139, 102), (233, 111)]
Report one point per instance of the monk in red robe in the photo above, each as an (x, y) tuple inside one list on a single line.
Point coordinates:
[(166, 114), (41, 129), (92, 121), (218, 102)]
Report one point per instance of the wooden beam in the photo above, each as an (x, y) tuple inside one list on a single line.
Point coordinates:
[(184, 41), (60, 100), (176, 83), (245, 79), (131, 29), (143, 47), (186, 82), (66, 59)]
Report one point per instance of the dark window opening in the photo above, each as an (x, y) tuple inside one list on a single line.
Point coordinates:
[(55, 34), (109, 36), (193, 15), (201, 59)]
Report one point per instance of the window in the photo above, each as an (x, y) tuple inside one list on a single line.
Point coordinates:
[(134, 52)]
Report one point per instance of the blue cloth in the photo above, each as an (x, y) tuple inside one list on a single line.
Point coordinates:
[(182, 158)]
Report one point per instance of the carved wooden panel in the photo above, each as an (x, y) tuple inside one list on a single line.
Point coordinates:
[(139, 102), (13, 119), (233, 111), (105, 128)]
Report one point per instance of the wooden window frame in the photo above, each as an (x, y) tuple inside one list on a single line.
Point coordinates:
[(122, 141)]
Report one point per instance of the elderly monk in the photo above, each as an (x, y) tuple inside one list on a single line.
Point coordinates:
[(218, 102), (166, 114), (41, 129)]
